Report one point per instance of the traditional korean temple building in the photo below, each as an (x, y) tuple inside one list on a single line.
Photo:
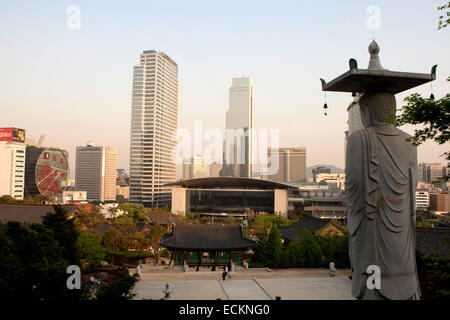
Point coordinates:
[(207, 245), (29, 213), (319, 227)]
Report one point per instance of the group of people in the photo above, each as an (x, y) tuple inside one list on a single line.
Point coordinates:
[(226, 274)]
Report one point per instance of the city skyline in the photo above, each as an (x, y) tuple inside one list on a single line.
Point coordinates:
[(71, 81)]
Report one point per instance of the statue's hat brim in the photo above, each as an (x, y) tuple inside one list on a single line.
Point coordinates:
[(364, 80)]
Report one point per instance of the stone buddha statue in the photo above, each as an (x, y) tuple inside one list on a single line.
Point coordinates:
[(381, 179)]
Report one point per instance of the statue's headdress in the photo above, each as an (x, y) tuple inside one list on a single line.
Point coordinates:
[(375, 78)]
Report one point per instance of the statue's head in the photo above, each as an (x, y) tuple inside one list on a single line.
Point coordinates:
[(377, 108)]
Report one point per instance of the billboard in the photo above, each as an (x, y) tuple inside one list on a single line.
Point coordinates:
[(12, 134)]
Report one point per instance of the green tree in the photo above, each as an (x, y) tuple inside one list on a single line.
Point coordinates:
[(32, 264), (434, 276), (296, 257), (433, 114), (310, 252), (156, 233), (117, 288), (110, 239), (7, 199), (274, 248), (137, 211), (86, 220), (444, 20), (90, 247), (120, 199), (139, 241), (262, 224), (65, 232)]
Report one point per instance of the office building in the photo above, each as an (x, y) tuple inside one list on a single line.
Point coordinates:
[(222, 196), (422, 173), (422, 200), (319, 201), (237, 156), (122, 178), (318, 170), (123, 184), (154, 119), (333, 180), (195, 167), (434, 171), (123, 191), (214, 169), (440, 203), (12, 162), (73, 196), (291, 164), (95, 172)]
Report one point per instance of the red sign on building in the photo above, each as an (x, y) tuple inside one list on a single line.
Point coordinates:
[(12, 134)]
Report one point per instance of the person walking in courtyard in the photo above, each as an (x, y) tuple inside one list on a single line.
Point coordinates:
[(224, 273), (228, 268)]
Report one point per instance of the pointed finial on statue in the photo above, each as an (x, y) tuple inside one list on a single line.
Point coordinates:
[(374, 62)]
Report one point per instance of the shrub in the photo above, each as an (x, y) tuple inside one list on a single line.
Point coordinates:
[(117, 288)]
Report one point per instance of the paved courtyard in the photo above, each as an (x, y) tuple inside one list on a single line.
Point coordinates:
[(250, 284)]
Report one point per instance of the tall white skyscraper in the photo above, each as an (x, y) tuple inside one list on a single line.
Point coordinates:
[(95, 172), (239, 119), (154, 119)]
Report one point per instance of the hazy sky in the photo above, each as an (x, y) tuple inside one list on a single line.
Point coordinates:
[(75, 85)]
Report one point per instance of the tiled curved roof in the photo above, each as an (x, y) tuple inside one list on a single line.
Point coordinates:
[(29, 214), (306, 222), (207, 237)]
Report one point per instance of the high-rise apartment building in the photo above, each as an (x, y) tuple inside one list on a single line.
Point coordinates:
[(422, 172), (154, 119), (291, 164), (238, 135), (195, 167), (434, 171), (422, 200), (12, 162), (95, 172)]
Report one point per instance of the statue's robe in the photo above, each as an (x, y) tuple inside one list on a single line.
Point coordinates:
[(381, 179)]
